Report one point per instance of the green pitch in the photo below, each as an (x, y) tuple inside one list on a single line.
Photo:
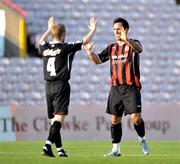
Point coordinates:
[(90, 152)]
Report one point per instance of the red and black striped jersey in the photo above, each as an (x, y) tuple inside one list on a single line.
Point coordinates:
[(124, 64), (57, 59)]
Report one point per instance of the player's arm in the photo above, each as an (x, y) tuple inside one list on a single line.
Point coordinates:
[(92, 55), (136, 46), (44, 37), (92, 27)]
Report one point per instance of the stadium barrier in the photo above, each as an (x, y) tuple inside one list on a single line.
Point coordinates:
[(86, 122)]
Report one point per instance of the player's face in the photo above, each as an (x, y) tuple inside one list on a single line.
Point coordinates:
[(117, 27)]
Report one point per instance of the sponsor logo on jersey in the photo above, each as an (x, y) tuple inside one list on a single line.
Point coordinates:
[(49, 52), (119, 59)]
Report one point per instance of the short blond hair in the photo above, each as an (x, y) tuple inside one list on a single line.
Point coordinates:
[(58, 31)]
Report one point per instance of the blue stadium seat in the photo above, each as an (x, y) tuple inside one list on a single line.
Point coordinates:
[(149, 22)]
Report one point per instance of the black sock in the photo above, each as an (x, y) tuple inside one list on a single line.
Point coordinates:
[(52, 134), (58, 141), (116, 133), (140, 129)]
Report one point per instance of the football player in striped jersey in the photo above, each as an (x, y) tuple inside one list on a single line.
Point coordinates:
[(124, 96)]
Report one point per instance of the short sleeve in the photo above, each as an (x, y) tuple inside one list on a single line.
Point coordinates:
[(43, 46), (74, 46), (104, 55)]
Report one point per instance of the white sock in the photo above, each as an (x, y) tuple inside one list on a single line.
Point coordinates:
[(116, 147), (59, 149), (142, 138), (49, 142)]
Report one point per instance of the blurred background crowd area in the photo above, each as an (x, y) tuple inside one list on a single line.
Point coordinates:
[(154, 23)]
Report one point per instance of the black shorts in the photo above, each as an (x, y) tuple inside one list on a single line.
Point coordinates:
[(124, 99), (57, 97)]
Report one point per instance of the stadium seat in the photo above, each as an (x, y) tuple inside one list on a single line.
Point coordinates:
[(160, 60)]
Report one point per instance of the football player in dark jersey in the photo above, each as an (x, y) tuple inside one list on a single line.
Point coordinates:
[(57, 61), (124, 96)]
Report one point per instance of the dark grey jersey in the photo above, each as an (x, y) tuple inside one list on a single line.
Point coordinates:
[(57, 59)]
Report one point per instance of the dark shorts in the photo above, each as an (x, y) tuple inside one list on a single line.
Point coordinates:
[(124, 99), (57, 96)]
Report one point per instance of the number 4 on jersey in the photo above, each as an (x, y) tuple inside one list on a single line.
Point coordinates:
[(51, 66)]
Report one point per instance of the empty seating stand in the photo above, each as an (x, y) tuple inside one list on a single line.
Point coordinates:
[(154, 23)]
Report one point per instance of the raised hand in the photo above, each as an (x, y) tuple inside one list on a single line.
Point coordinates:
[(51, 22), (92, 23)]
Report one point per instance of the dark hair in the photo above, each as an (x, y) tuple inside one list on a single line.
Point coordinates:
[(124, 22)]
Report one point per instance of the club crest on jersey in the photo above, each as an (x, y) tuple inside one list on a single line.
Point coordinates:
[(50, 52), (127, 48)]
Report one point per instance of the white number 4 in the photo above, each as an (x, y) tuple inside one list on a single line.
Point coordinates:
[(51, 66)]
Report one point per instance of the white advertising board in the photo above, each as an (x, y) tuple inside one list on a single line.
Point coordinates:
[(90, 122)]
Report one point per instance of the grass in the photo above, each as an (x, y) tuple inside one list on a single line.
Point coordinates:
[(90, 152)]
